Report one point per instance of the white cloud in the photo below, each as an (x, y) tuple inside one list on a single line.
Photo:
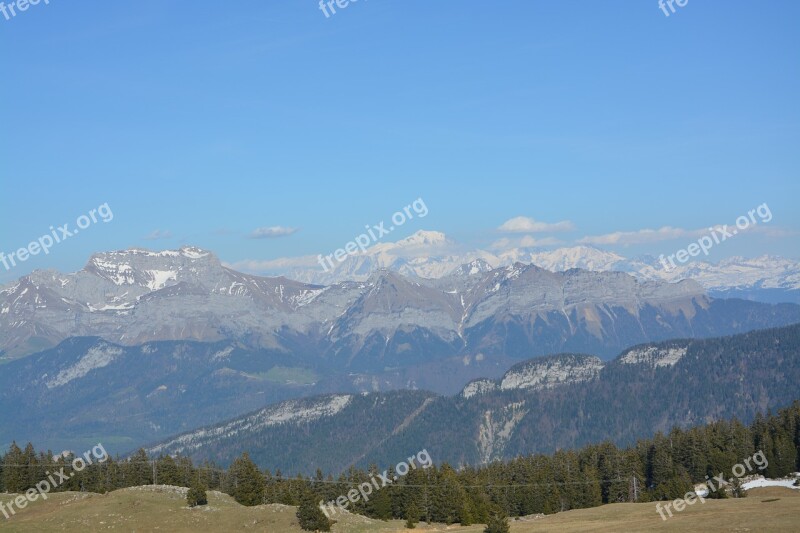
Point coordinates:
[(158, 234), (272, 232), (529, 225), (642, 236), (772, 231), (523, 242)]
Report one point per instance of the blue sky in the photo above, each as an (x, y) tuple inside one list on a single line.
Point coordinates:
[(203, 121)]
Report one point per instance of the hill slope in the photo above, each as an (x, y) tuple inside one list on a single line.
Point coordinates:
[(164, 508), (538, 406)]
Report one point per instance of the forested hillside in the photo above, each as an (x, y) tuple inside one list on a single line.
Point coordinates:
[(659, 468), (541, 405)]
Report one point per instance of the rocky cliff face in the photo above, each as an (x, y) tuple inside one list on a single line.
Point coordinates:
[(548, 372)]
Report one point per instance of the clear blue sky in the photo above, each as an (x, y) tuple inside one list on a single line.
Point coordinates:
[(206, 120)]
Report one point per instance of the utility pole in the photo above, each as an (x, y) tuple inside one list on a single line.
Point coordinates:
[(427, 510)]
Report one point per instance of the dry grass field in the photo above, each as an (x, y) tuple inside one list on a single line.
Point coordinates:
[(163, 509)]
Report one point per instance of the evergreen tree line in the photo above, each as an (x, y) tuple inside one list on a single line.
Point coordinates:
[(664, 467)]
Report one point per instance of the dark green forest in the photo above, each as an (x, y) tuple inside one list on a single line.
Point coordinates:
[(660, 468)]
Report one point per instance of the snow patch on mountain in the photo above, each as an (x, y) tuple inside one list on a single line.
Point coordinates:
[(117, 273), (120, 307), (97, 357), (159, 278), (222, 354), (193, 253), (292, 411), (305, 297)]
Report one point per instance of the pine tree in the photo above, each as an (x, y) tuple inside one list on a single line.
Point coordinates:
[(412, 516), (167, 471), (310, 516), (186, 472), (33, 472), (14, 475), (784, 455), (380, 504), (498, 523), (465, 515), (245, 482), (448, 499), (138, 470), (196, 495)]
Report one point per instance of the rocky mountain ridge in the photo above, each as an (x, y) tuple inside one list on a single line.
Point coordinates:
[(387, 320)]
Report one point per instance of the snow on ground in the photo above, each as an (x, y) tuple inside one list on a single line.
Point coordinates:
[(763, 482), (222, 354), (159, 278), (755, 483), (121, 307), (117, 273), (96, 357), (290, 411), (193, 253)]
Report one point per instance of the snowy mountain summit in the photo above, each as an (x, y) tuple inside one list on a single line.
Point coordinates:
[(433, 255)]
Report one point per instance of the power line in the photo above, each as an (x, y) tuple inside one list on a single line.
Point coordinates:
[(351, 483)]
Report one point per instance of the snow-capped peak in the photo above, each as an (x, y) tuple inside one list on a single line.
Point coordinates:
[(473, 267), (194, 253), (153, 270), (424, 238), (585, 257)]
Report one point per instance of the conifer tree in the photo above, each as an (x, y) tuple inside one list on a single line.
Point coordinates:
[(138, 470), (245, 481), (167, 471), (310, 516), (14, 475), (412, 516), (498, 523), (32, 471), (196, 495)]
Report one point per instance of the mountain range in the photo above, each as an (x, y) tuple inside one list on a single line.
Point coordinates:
[(431, 254), (387, 320), (140, 345)]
